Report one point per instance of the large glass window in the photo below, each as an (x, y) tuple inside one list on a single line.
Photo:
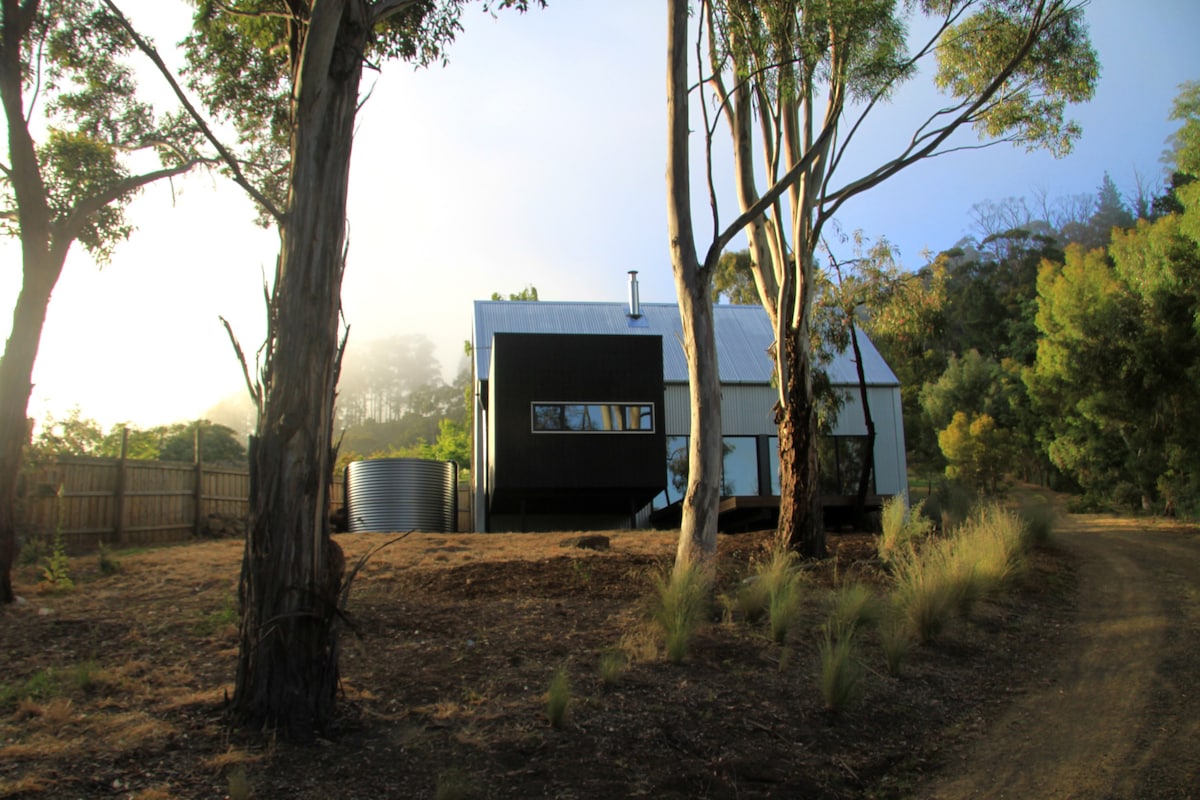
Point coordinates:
[(842, 459), (592, 417), (773, 451), (739, 466)]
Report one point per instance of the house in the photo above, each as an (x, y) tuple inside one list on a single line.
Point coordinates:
[(581, 416)]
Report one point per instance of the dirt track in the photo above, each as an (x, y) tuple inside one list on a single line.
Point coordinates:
[(1119, 715)]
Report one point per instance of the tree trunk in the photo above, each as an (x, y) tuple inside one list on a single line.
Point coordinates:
[(291, 572), (800, 516), (698, 527), (41, 264), (864, 477), (16, 386)]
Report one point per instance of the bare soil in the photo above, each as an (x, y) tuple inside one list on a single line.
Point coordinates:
[(1071, 684)]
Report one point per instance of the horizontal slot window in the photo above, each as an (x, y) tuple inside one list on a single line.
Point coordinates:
[(593, 417)]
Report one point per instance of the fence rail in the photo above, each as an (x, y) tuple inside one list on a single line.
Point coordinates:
[(128, 503)]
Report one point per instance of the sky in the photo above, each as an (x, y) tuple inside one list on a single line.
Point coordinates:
[(535, 157)]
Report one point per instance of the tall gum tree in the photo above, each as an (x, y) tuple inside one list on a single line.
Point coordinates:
[(798, 81), (287, 74), (693, 276), (64, 80)]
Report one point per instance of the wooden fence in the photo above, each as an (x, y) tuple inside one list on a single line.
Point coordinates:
[(127, 503)]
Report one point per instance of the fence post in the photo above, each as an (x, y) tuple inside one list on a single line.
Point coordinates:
[(198, 523), (121, 488)]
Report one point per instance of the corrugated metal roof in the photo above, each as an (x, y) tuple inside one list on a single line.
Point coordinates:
[(743, 336)]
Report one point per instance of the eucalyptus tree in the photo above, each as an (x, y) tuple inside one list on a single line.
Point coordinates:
[(286, 74), (76, 127), (801, 81), (693, 275)]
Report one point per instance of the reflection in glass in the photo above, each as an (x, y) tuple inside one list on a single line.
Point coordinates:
[(841, 459), (594, 417), (773, 453), (739, 466)]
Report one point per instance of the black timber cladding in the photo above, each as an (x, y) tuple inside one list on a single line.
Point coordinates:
[(572, 472)]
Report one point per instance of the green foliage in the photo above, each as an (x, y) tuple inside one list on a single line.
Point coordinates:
[(452, 444), (734, 279), (34, 550), (74, 60), (73, 436), (56, 569), (682, 599), (80, 436), (528, 294), (217, 442), (42, 685), (558, 698), (1061, 68), (978, 453)]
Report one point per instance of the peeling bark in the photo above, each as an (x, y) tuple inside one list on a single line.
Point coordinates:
[(292, 571)]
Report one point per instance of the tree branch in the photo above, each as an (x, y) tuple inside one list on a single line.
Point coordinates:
[(382, 9), (768, 198), (70, 225), (915, 153), (225, 155)]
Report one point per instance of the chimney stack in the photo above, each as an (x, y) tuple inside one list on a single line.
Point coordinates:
[(635, 305)]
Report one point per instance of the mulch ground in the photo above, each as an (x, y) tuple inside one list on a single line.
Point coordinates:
[(118, 688)]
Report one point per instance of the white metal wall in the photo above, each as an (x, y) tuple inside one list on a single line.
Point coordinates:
[(746, 410)]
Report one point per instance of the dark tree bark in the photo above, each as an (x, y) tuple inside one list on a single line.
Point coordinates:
[(292, 570), (800, 514), (864, 477)]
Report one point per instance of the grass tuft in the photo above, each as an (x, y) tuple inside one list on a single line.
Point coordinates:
[(682, 600), (558, 698), (1039, 518), (904, 529), (855, 604), (613, 664), (951, 574), (107, 564), (841, 671), (896, 641), (455, 784)]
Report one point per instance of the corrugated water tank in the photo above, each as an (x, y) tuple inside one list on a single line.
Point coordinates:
[(401, 494)]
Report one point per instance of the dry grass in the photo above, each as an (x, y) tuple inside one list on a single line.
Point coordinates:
[(456, 638)]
